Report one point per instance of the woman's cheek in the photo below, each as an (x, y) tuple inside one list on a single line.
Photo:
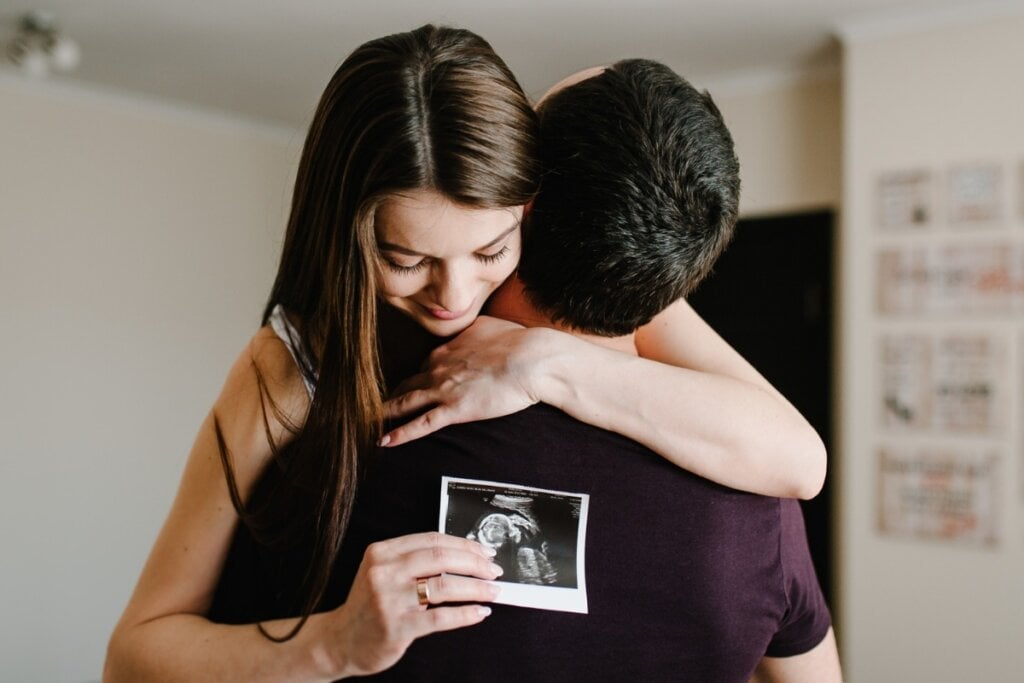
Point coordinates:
[(393, 285), (508, 265)]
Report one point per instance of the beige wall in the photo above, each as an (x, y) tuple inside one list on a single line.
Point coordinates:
[(928, 97), (788, 138), (137, 244)]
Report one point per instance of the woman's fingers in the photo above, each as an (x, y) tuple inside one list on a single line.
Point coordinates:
[(441, 560), (450, 588), (427, 423), (383, 551), (418, 381), (419, 624), (409, 402)]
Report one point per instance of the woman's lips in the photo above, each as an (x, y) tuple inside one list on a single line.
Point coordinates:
[(443, 314)]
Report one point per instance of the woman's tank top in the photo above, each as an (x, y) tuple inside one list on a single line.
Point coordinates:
[(287, 333)]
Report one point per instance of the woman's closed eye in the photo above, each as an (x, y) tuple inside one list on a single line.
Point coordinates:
[(495, 257), (406, 270), (401, 269)]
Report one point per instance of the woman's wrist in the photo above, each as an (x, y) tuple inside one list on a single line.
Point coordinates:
[(550, 367), (322, 649)]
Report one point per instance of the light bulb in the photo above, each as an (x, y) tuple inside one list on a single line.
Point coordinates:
[(39, 47), (64, 54)]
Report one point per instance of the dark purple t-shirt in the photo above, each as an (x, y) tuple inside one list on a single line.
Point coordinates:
[(686, 580)]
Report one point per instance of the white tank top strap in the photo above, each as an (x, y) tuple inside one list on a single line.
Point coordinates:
[(287, 333)]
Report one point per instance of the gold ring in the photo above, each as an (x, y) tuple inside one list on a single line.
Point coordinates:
[(422, 592)]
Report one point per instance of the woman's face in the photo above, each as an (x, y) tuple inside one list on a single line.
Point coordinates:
[(440, 260)]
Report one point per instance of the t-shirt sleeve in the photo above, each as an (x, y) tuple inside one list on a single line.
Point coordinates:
[(807, 617)]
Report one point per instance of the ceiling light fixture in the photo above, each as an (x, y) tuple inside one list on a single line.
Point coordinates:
[(39, 46)]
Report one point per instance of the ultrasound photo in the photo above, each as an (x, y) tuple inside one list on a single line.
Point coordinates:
[(538, 536)]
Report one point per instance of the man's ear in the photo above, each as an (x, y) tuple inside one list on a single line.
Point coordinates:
[(525, 223)]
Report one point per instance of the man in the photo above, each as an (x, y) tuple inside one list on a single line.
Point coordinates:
[(686, 580)]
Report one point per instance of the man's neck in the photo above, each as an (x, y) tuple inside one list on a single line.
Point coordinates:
[(510, 302)]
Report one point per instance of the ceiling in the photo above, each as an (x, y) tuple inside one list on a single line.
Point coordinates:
[(267, 60)]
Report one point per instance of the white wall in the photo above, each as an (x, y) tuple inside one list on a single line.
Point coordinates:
[(928, 96), (138, 242), (788, 135)]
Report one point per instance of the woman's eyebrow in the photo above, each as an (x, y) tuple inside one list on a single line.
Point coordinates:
[(500, 237), (388, 246)]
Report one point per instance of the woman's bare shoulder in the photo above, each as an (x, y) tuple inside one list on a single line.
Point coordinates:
[(185, 563), (264, 391)]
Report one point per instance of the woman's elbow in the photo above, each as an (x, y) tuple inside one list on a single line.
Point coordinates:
[(116, 664), (814, 461)]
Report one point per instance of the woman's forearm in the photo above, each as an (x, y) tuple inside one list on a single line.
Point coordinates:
[(722, 428), (185, 647), (382, 615)]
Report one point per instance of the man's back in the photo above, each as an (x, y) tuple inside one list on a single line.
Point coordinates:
[(686, 580)]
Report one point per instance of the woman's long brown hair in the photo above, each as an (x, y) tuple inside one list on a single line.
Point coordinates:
[(434, 108)]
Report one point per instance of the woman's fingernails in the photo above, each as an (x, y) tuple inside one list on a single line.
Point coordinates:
[(384, 440), (489, 551), (483, 611), (496, 569)]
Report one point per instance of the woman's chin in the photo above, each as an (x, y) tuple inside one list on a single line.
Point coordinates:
[(442, 327), (446, 328)]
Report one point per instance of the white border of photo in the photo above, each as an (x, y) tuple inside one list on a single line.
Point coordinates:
[(555, 598)]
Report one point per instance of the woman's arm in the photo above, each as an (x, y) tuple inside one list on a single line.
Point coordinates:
[(819, 665), (769, 434), (163, 634), (692, 398)]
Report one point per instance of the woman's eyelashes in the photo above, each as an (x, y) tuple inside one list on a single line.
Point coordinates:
[(487, 259), (495, 257), (405, 270)]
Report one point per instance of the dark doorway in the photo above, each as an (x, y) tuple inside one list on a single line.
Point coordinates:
[(770, 296)]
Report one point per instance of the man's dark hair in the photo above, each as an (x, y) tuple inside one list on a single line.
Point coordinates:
[(640, 196)]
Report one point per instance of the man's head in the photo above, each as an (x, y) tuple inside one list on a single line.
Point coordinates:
[(640, 196)]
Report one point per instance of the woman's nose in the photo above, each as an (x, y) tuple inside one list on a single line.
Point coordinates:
[(453, 287)]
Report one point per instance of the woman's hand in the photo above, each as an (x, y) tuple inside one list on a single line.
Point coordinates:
[(383, 615), (488, 371)]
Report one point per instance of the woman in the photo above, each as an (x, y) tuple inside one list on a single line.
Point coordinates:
[(411, 188)]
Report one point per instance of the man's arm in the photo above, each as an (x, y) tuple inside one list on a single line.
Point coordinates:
[(819, 665)]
